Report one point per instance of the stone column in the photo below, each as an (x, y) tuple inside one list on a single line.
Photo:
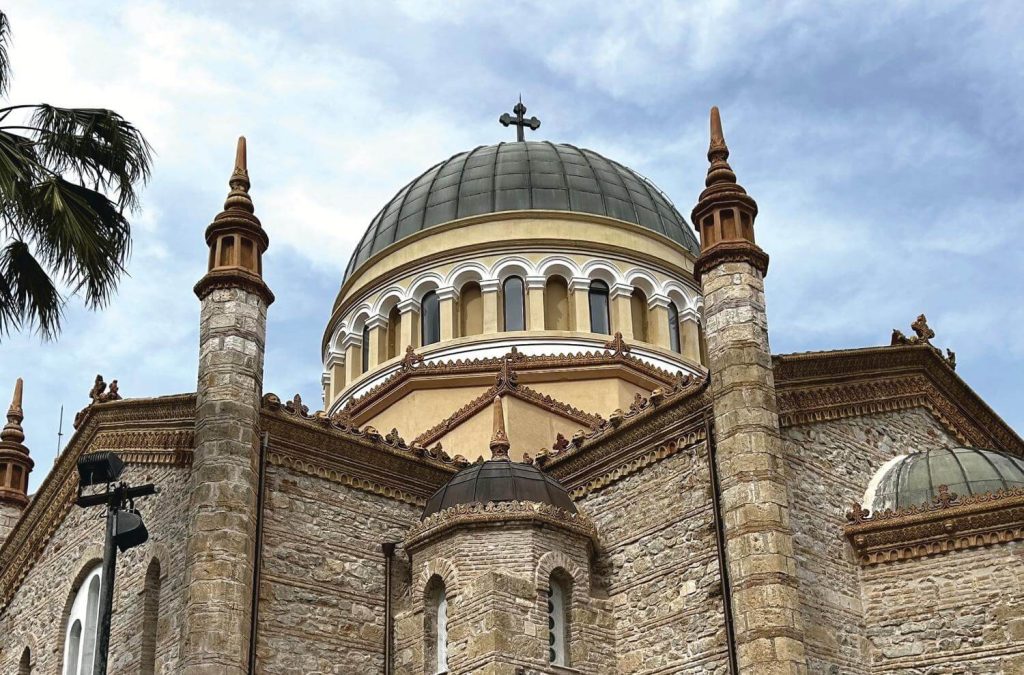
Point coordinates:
[(658, 322), (410, 324), (353, 346), (336, 370), (378, 335), (491, 299), (447, 298), (619, 297), (535, 302), (579, 300), (749, 451), (689, 335)]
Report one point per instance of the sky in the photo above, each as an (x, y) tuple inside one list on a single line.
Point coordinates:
[(881, 140)]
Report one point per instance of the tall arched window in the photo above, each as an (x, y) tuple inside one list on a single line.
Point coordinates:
[(80, 639), (471, 310), (436, 626), (394, 332), (515, 306), (364, 351), (673, 327), (559, 594), (150, 618), (599, 322), (25, 665), (430, 321), (638, 312), (556, 304)]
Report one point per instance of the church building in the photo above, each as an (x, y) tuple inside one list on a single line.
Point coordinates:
[(554, 439)]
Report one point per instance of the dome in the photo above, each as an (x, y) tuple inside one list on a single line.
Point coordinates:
[(517, 176), (499, 480), (914, 479)]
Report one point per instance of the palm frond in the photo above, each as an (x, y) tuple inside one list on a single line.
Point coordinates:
[(5, 64), (30, 296)]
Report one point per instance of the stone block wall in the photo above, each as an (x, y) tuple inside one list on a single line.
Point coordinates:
[(829, 466), (37, 614), (9, 516), (659, 567), (962, 612), (322, 585)]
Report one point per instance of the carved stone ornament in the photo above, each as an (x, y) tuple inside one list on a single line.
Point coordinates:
[(99, 393), (923, 335)]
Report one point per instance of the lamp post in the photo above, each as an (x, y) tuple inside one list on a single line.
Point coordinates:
[(124, 530)]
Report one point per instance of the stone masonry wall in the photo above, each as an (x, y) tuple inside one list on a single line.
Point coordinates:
[(660, 569), (322, 591), (830, 464), (37, 613), (9, 515), (962, 612)]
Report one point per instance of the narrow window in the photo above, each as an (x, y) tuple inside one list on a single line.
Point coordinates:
[(442, 634), (83, 619), (471, 314), (435, 626), (394, 332), (150, 617), (599, 322), (556, 304), (430, 324), (673, 327), (515, 312), (73, 648), (558, 619), (638, 312), (227, 252), (364, 351), (25, 665)]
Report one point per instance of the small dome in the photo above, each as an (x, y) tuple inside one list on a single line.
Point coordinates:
[(914, 479), (499, 480), (525, 175)]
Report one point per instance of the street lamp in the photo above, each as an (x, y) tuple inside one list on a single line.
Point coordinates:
[(125, 529)]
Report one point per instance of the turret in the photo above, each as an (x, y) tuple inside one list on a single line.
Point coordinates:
[(232, 334), (15, 466), (749, 451)]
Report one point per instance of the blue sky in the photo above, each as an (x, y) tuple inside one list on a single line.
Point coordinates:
[(882, 141)]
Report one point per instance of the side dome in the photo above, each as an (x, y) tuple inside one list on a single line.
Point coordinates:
[(914, 479), (499, 480), (525, 175)]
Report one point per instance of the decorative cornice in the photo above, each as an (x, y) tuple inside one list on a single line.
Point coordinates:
[(817, 386), (234, 277), (947, 523), (491, 513), (731, 252), (144, 431)]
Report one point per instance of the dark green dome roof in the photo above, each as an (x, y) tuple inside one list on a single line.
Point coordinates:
[(914, 479), (522, 175), (499, 480)]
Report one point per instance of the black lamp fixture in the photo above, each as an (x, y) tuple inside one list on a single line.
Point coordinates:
[(125, 529)]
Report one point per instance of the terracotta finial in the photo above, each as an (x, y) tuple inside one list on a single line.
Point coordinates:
[(499, 439), (717, 135), (238, 199), (718, 154), (12, 432)]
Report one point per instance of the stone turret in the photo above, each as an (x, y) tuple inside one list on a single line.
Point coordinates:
[(222, 528), (15, 466), (751, 466)]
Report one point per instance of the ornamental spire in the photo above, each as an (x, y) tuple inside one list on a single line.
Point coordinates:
[(499, 439), (718, 154), (238, 198), (12, 432), (15, 464)]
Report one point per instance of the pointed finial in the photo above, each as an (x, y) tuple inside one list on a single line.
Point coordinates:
[(718, 153), (499, 439), (717, 135), (12, 432), (238, 199)]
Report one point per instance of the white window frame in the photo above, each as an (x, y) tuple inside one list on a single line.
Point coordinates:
[(82, 626)]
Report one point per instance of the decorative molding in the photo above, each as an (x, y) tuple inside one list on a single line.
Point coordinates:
[(731, 252), (520, 512), (234, 278), (947, 523)]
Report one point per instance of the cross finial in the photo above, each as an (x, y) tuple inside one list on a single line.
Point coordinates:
[(519, 120)]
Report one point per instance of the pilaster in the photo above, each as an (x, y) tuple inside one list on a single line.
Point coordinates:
[(689, 335), (535, 302), (579, 301), (491, 300), (352, 345), (410, 324), (658, 324), (377, 327), (447, 298), (619, 297)]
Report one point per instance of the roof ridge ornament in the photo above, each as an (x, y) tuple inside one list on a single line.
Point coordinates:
[(519, 120), (499, 439)]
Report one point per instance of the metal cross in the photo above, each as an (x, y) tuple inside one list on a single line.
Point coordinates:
[(519, 120)]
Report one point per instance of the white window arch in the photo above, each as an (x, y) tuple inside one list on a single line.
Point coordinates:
[(83, 622)]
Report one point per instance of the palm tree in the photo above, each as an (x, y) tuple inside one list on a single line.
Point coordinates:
[(67, 176)]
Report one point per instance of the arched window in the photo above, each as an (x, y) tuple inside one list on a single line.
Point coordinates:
[(515, 307), (394, 332), (25, 665), (673, 327), (430, 323), (150, 618), (556, 304), (599, 322), (80, 640), (638, 312), (559, 594), (471, 310), (436, 626), (364, 351)]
